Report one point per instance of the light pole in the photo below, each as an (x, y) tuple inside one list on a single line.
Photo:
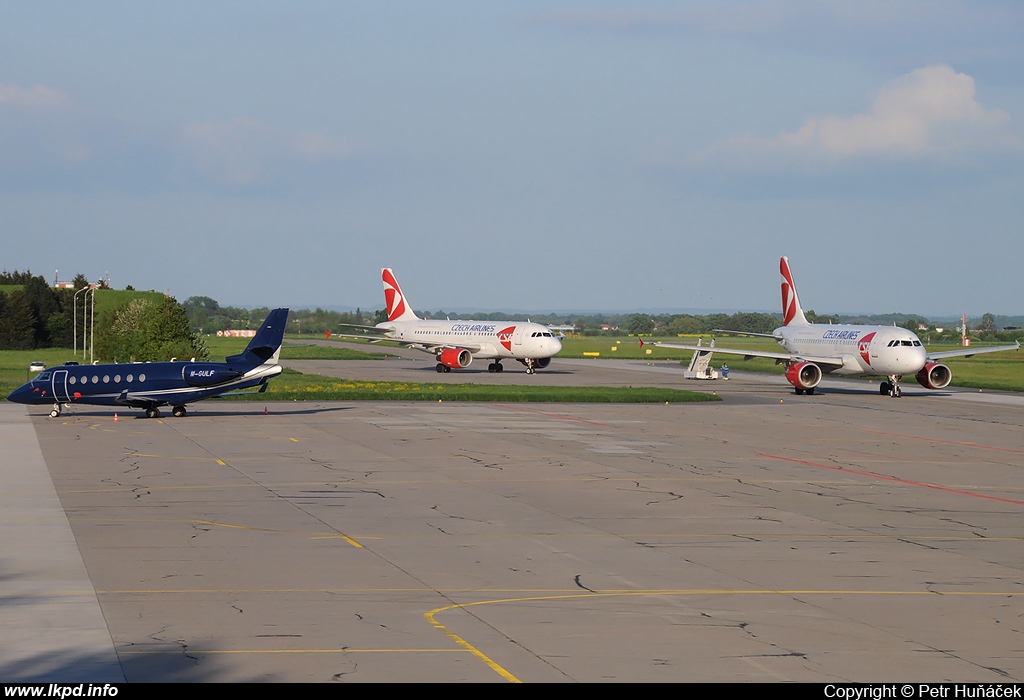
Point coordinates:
[(75, 304), (86, 318), (92, 329)]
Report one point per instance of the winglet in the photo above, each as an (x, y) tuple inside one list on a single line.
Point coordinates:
[(641, 343), (792, 314), (397, 305)]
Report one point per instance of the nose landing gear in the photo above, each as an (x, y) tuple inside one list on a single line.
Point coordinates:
[(891, 387)]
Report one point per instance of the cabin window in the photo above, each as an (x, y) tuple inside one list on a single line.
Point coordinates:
[(71, 380), (117, 378), (95, 379), (142, 377), (128, 379), (106, 379)]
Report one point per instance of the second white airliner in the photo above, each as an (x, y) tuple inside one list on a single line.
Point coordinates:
[(457, 343), (815, 348)]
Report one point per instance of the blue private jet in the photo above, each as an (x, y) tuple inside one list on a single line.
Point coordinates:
[(149, 385)]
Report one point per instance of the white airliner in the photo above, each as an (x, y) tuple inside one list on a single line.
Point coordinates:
[(812, 349), (456, 343)]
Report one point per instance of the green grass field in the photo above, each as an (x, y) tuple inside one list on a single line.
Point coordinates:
[(292, 385)]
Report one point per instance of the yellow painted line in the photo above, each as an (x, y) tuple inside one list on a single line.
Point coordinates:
[(221, 462), (293, 439), (290, 651), (177, 458), (430, 616), (488, 661), (548, 593), (552, 595), (315, 535)]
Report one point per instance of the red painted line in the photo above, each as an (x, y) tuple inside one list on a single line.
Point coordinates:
[(549, 415), (893, 479), (946, 442)]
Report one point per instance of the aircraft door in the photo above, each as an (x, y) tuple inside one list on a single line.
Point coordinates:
[(60, 386), (517, 337)]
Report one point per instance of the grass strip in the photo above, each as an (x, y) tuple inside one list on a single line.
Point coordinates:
[(293, 385)]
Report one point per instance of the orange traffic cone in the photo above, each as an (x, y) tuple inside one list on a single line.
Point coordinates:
[(265, 410), (115, 417)]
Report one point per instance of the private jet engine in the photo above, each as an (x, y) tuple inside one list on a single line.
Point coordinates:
[(935, 375), (453, 358), (804, 376), (207, 374)]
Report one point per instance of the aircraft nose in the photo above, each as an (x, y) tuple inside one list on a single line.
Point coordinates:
[(555, 345), (22, 394)]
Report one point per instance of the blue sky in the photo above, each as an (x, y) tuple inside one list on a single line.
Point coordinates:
[(524, 156)]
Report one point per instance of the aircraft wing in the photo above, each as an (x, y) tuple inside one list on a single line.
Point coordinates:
[(416, 344), (747, 354), (970, 352), (723, 331), (356, 325)]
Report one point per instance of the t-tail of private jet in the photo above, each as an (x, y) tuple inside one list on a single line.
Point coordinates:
[(150, 385)]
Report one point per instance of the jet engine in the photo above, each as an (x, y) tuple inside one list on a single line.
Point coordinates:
[(803, 375), (207, 374), (456, 358), (935, 375)]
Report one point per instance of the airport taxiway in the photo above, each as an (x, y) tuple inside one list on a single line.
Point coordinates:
[(844, 536)]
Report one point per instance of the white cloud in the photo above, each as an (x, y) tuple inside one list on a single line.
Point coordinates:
[(39, 97), (245, 151), (929, 113)]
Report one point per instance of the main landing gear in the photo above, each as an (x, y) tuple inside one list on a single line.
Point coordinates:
[(891, 387), (176, 411), (442, 368), (55, 412), (495, 367), (809, 392)]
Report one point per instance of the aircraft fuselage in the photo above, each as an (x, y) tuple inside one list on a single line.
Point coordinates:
[(865, 350), (138, 384), (490, 340)]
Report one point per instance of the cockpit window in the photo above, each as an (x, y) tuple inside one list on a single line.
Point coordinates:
[(906, 343), (917, 343), (43, 376)]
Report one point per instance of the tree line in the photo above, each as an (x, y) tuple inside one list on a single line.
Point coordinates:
[(146, 327), (34, 314)]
